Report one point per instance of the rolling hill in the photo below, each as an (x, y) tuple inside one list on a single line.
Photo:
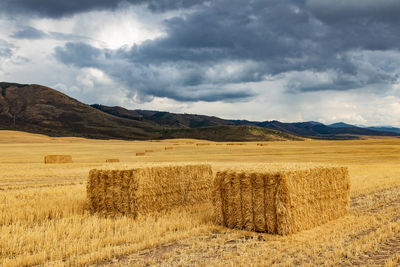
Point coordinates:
[(39, 109)]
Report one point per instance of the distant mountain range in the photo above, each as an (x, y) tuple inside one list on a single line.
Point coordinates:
[(39, 109), (309, 129)]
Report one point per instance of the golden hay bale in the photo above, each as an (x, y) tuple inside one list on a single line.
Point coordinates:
[(261, 144), (144, 190), (202, 144), (234, 144), (149, 151), (112, 160), (281, 201), (140, 153), (168, 148), (57, 159)]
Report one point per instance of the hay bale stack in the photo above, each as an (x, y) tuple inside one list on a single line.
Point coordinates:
[(281, 201), (112, 160), (168, 148), (140, 191), (140, 153), (234, 144), (202, 144), (149, 151), (57, 159)]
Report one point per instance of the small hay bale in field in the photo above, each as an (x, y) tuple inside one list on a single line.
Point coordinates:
[(57, 159), (261, 144), (281, 201), (149, 151), (140, 153), (112, 160), (140, 191), (202, 144), (234, 144), (168, 148)]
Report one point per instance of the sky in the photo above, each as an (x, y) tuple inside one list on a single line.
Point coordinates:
[(299, 60)]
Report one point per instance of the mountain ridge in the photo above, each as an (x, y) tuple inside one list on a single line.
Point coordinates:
[(310, 129), (39, 109)]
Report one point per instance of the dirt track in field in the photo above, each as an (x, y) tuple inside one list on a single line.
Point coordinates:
[(363, 205)]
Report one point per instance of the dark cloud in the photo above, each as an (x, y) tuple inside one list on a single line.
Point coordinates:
[(28, 32), (5, 52), (58, 8), (6, 49), (225, 43)]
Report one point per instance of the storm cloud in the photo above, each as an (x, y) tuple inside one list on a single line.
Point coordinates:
[(58, 9), (227, 43), (224, 51)]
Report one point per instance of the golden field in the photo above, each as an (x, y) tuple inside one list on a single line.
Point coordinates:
[(44, 219)]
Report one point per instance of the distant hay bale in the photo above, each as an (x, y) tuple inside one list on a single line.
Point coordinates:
[(281, 201), (234, 144), (112, 160), (261, 144), (202, 144), (143, 190), (57, 159), (140, 153), (168, 148), (149, 151)]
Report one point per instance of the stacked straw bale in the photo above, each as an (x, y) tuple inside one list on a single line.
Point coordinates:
[(202, 144), (57, 159), (140, 191), (234, 144), (281, 201), (140, 153), (112, 160)]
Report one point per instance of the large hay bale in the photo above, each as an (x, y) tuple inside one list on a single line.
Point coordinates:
[(57, 159), (140, 191), (112, 160), (281, 201)]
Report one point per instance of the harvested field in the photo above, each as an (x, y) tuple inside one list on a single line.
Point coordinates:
[(140, 191), (280, 200), (57, 159), (44, 218)]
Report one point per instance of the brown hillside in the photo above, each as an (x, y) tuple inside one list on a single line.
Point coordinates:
[(40, 109)]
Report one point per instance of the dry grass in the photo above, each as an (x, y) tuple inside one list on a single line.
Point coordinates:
[(43, 219)]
